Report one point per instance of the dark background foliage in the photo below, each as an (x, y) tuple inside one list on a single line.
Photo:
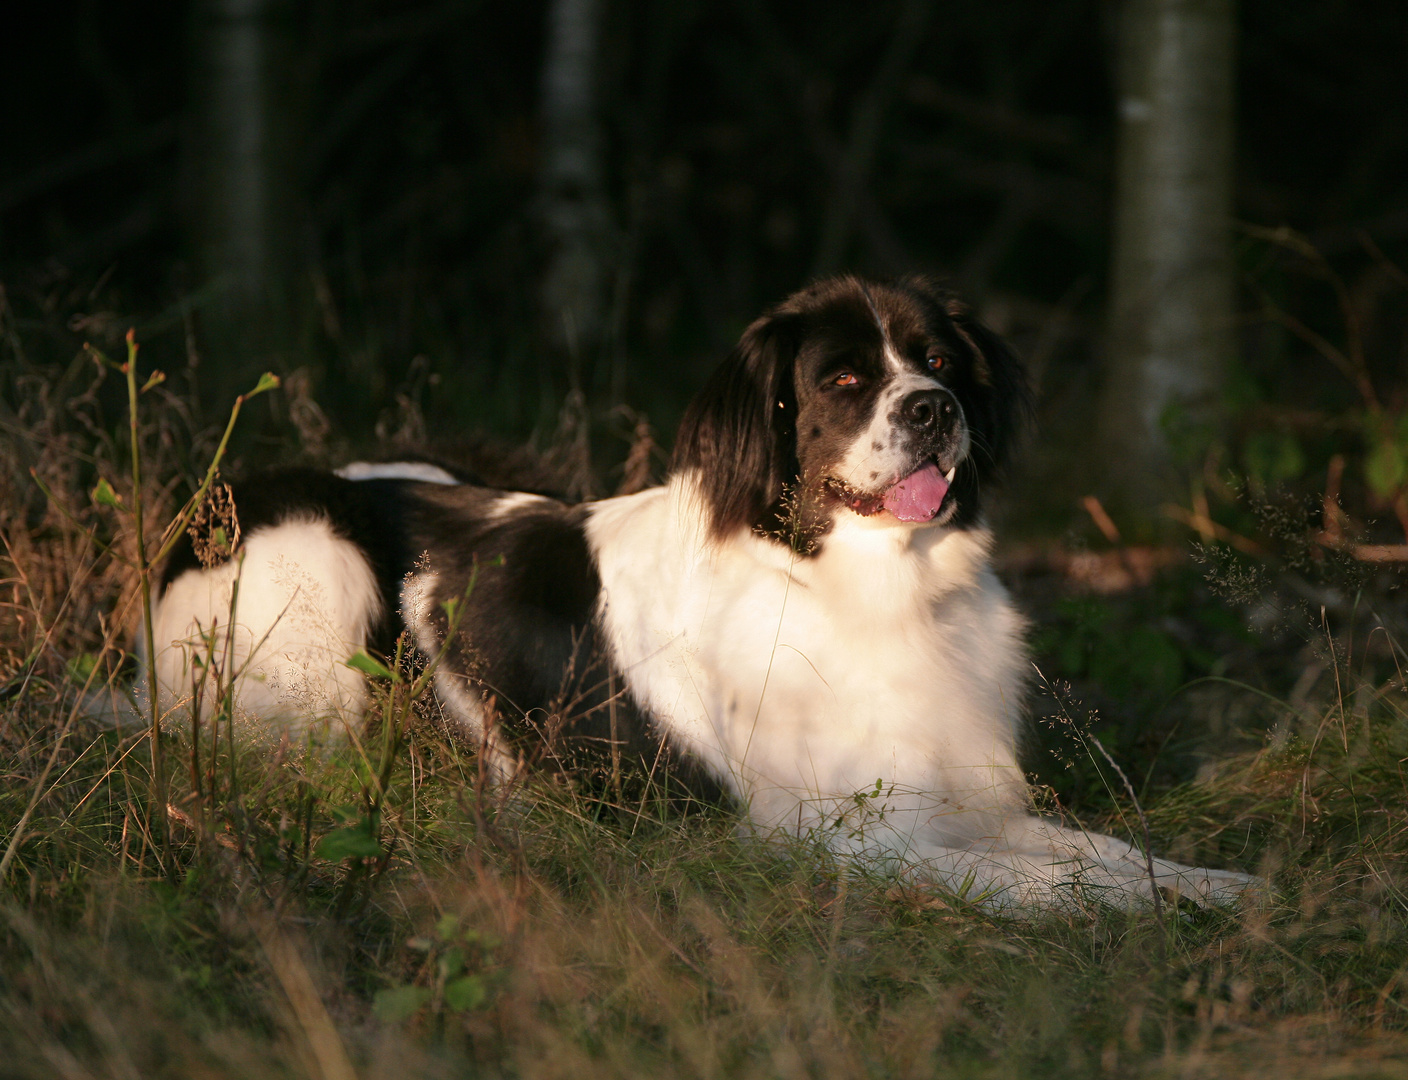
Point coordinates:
[(746, 147)]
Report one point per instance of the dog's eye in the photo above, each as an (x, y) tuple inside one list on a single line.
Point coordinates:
[(935, 361), (845, 379)]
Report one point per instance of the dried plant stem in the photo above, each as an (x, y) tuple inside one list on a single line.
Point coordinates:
[(144, 577), (267, 381), (1143, 824), (172, 533), (39, 791), (310, 1017)]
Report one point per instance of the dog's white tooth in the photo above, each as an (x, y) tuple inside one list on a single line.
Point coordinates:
[(949, 475)]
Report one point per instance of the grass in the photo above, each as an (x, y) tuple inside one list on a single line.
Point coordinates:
[(266, 911)]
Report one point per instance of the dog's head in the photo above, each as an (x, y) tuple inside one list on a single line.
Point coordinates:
[(885, 400)]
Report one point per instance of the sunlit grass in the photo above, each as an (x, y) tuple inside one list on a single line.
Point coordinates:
[(340, 912)]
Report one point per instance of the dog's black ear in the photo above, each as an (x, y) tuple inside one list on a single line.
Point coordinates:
[(1001, 393), (1006, 393), (737, 434)]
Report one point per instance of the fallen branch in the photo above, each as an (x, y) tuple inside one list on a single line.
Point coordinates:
[(1205, 525)]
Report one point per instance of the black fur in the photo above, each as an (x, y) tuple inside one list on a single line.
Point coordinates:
[(370, 513), (742, 435), (846, 403), (738, 431), (528, 635)]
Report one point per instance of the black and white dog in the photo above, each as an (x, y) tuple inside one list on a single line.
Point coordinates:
[(803, 617)]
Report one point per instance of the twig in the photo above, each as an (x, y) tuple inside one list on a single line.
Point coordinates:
[(1103, 521), (39, 793), (994, 117), (1373, 553), (796, 79), (173, 532), (1332, 515), (1143, 825), (144, 577), (1354, 338), (1203, 524), (267, 381), (90, 159)]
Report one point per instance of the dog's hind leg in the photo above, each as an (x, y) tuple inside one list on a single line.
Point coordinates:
[(274, 626)]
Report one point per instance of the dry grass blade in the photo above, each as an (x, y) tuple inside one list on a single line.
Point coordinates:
[(314, 1027)]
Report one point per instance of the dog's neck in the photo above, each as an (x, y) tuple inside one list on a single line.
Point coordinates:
[(890, 560)]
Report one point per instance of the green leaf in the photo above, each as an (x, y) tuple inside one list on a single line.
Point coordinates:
[(466, 993), (448, 927), (1273, 456), (398, 1002), (451, 963), (1385, 468), (104, 495), (367, 664), (267, 381), (80, 667), (351, 842)]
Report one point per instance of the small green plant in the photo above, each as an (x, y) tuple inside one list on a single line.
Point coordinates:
[(456, 975), (358, 839)]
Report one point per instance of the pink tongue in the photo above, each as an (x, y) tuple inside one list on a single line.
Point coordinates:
[(919, 495)]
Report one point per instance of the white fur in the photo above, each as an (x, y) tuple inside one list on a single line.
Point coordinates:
[(302, 600), (868, 695), (513, 502), (420, 471), (453, 688), (867, 468)]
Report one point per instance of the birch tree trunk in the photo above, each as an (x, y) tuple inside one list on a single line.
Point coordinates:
[(1171, 328), (242, 159), (576, 217)]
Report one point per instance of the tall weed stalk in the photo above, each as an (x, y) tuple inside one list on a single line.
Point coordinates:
[(104, 494)]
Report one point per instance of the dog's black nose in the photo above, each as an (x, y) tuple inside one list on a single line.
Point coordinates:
[(929, 411)]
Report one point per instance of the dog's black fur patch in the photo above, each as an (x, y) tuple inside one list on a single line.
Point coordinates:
[(528, 637)]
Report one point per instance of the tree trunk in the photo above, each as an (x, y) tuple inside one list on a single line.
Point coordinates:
[(242, 174), (576, 216), (1171, 331)]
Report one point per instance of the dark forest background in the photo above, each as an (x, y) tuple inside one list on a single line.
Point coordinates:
[(437, 216)]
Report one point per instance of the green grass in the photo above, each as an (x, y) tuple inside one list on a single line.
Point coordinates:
[(330, 915), (546, 935)]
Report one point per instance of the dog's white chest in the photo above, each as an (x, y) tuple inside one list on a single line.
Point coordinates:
[(804, 682)]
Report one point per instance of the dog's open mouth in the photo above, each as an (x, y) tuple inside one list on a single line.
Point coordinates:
[(916, 497)]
